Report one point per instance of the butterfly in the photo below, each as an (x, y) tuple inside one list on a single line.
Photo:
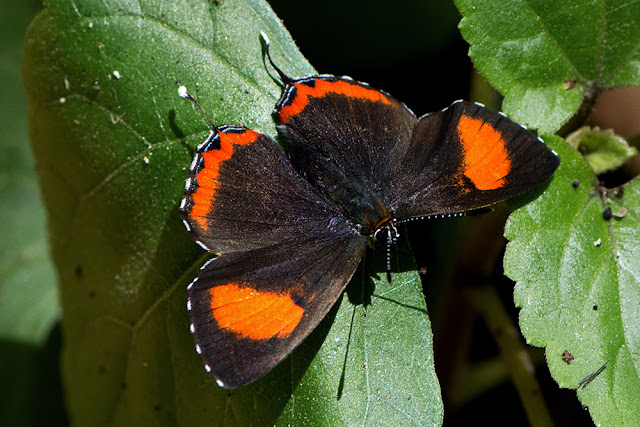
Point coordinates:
[(290, 226)]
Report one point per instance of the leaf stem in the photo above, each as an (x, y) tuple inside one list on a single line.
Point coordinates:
[(580, 117), (513, 352)]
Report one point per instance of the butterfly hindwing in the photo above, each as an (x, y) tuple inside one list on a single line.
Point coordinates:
[(249, 310)]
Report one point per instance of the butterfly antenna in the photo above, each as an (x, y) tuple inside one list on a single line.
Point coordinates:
[(389, 242), (182, 92), (391, 235), (475, 212), (266, 43)]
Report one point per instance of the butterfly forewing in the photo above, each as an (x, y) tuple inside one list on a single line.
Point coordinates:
[(465, 157)]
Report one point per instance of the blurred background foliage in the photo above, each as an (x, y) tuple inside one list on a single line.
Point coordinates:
[(29, 309)]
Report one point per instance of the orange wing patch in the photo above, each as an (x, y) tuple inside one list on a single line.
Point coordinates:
[(486, 161), (204, 196), (323, 87), (253, 314)]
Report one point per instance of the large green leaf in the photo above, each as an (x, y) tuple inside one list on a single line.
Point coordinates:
[(578, 277), (547, 57), (113, 143)]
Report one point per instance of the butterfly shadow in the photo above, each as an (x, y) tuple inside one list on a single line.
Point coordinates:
[(372, 273)]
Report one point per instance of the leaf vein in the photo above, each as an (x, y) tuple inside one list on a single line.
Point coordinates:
[(633, 51), (552, 39)]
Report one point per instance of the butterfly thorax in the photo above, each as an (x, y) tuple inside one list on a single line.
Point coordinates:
[(359, 203)]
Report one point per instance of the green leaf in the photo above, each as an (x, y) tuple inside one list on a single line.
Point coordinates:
[(547, 57), (578, 284), (603, 149), (113, 142)]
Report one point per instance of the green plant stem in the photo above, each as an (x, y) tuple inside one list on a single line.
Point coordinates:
[(580, 117), (482, 91), (513, 352)]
